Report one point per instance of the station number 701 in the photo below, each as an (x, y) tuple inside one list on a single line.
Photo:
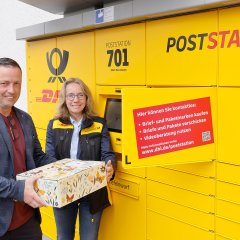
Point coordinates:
[(118, 56)]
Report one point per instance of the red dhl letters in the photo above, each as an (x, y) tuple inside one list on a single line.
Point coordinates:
[(48, 95)]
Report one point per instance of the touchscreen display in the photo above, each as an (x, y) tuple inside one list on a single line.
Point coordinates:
[(113, 114)]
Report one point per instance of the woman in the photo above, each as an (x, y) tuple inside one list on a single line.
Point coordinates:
[(77, 133)]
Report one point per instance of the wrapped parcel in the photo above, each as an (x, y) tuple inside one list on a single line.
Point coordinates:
[(67, 180)]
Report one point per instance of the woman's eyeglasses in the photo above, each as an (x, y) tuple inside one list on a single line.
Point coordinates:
[(71, 96), (13, 130)]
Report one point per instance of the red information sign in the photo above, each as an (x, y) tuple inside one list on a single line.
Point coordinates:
[(172, 127)]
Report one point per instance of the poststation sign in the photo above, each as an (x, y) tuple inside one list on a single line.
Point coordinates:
[(168, 127)]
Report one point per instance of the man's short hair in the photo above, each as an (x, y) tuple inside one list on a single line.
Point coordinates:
[(9, 62)]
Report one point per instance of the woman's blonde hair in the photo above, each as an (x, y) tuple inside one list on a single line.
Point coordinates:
[(62, 110)]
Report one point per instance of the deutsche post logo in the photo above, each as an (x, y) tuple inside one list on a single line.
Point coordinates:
[(50, 95), (63, 57)]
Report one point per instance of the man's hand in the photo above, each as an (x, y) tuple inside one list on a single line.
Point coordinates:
[(109, 170), (30, 196)]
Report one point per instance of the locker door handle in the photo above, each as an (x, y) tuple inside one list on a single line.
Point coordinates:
[(118, 90), (118, 141)]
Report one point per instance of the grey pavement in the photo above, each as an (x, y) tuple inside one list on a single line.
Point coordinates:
[(45, 238)]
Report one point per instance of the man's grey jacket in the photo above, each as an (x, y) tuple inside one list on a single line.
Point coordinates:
[(10, 189)]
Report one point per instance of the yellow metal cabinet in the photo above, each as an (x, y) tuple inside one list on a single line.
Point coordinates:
[(120, 55), (228, 173), (162, 227), (41, 133), (126, 218), (178, 52), (228, 192), (182, 180), (229, 50), (184, 214), (154, 79), (228, 125), (218, 237), (228, 210), (42, 82), (47, 221), (181, 196), (139, 172), (42, 137), (206, 169), (43, 143), (227, 228), (80, 62), (163, 126)]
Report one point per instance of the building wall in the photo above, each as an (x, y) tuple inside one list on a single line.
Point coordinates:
[(13, 15)]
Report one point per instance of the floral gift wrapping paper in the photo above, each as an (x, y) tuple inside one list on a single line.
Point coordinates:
[(67, 180)]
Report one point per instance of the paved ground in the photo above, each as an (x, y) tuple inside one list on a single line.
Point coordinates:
[(45, 238)]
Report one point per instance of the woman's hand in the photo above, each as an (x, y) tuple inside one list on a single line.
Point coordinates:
[(109, 170)]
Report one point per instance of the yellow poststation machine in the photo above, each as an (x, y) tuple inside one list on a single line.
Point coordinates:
[(155, 122), (169, 90)]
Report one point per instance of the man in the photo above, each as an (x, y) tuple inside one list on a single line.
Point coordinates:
[(20, 150)]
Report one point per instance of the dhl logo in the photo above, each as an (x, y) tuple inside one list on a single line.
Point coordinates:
[(48, 95)]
